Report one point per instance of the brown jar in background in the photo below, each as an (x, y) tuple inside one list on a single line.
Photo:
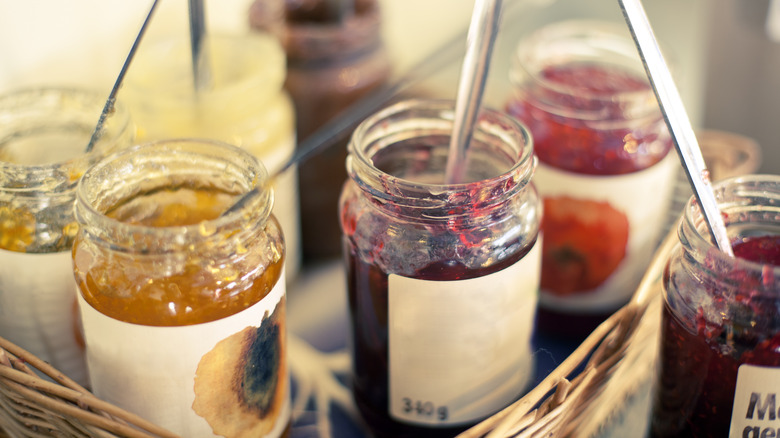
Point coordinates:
[(335, 56)]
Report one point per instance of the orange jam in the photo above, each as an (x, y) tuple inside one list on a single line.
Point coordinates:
[(17, 228), (198, 285)]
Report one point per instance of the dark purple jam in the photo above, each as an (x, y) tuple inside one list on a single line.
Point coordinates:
[(698, 366), (368, 304)]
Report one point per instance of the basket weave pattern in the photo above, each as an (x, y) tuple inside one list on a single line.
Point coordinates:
[(597, 373), (577, 397), (34, 406)]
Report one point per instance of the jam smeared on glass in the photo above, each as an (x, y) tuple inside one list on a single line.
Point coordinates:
[(699, 361), (577, 126), (193, 292), (442, 278)]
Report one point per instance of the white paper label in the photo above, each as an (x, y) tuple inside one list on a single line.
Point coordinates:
[(461, 350), (622, 210), (38, 309), (755, 413), (193, 380)]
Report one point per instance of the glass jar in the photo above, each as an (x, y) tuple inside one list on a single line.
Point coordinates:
[(719, 367), (334, 58), (442, 279), (43, 137), (605, 170), (183, 307), (244, 105)]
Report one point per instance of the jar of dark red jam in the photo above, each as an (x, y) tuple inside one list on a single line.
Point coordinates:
[(605, 170), (719, 369), (442, 278)]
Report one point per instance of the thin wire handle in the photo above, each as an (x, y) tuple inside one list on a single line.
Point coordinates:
[(108, 108)]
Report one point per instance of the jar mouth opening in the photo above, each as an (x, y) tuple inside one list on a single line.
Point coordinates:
[(511, 169), (44, 133), (150, 166), (581, 42), (750, 205)]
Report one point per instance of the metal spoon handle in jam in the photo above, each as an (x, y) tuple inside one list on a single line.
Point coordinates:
[(473, 75), (108, 108), (677, 120)]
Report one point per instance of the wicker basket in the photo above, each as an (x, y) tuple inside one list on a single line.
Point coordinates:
[(603, 366), (33, 406), (580, 394), (576, 396)]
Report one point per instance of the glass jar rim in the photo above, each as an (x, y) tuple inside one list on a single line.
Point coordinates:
[(740, 193), (41, 102), (254, 212), (443, 112), (609, 38)]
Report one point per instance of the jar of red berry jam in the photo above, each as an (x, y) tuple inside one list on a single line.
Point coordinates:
[(605, 170), (44, 133), (442, 278), (719, 368), (183, 306)]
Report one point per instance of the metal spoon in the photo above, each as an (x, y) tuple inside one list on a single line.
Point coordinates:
[(676, 119), (337, 128), (201, 71), (481, 38), (108, 108)]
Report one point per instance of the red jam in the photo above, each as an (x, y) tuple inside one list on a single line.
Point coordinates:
[(592, 120), (442, 279), (586, 143), (698, 376), (368, 295)]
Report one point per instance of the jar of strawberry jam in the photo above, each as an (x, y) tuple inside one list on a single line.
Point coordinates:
[(605, 171), (442, 278), (183, 307), (44, 133), (719, 367)]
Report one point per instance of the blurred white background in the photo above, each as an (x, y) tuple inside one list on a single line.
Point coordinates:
[(726, 66)]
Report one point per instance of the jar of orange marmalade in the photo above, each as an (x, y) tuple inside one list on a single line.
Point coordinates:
[(43, 137), (183, 303)]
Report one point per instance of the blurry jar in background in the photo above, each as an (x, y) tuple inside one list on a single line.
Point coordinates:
[(442, 278), (605, 168), (719, 367), (245, 105), (43, 138), (183, 306), (334, 58)]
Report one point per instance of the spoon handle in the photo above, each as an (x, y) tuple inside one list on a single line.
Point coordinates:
[(481, 38), (108, 108), (676, 119), (200, 64)]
